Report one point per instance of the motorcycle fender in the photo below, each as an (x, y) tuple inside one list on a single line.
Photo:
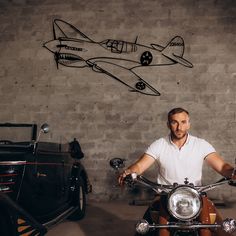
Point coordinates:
[(164, 216), (204, 217)]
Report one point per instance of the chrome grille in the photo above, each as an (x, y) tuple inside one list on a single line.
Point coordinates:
[(11, 176)]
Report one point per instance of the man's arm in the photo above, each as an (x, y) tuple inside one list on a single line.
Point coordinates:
[(219, 165), (142, 164)]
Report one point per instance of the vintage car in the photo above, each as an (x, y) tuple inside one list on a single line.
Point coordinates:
[(41, 183)]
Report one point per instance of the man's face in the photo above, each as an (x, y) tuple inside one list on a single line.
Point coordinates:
[(179, 125)]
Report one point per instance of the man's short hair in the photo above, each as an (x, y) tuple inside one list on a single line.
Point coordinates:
[(176, 111)]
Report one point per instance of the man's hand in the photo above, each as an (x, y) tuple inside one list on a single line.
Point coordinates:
[(123, 175), (144, 162), (232, 182)]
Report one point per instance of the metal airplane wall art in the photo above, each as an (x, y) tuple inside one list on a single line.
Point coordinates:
[(72, 48)]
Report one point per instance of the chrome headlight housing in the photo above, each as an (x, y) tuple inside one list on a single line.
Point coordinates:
[(184, 203)]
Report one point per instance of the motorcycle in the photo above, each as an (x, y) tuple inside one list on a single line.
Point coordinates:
[(178, 209)]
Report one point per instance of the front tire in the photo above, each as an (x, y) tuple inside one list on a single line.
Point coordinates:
[(79, 200)]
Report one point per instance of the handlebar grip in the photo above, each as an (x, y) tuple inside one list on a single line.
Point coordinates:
[(128, 180), (232, 183)]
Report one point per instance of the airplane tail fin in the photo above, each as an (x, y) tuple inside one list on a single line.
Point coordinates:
[(174, 50), (175, 46), (62, 29)]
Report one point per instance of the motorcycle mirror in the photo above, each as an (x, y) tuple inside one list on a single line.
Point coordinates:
[(117, 163)]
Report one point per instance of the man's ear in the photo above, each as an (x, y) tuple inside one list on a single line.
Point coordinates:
[(189, 124), (168, 124)]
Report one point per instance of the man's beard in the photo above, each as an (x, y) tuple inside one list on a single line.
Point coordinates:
[(178, 135)]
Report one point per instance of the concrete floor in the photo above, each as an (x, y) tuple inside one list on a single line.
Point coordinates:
[(112, 218)]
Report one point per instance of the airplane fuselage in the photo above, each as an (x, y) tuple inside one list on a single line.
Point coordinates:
[(126, 54)]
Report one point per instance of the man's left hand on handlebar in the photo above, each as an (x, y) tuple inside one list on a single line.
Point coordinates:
[(232, 182)]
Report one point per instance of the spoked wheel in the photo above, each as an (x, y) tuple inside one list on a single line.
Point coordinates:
[(79, 200)]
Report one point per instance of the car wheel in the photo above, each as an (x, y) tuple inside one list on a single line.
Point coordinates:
[(79, 200)]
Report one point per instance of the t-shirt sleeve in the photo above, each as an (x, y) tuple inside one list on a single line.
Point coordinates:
[(154, 149), (206, 148)]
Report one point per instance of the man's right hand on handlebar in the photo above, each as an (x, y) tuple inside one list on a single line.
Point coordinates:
[(123, 175)]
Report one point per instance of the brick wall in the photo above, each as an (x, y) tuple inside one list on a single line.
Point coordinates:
[(109, 120)]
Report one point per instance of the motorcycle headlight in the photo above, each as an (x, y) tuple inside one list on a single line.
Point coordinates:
[(184, 203)]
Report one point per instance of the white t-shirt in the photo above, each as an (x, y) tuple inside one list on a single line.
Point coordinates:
[(174, 164)]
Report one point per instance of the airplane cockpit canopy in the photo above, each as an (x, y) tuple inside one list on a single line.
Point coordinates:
[(118, 46)]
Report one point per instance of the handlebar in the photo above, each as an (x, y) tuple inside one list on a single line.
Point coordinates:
[(208, 187), (135, 178)]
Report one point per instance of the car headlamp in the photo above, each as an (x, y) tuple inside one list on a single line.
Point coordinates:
[(184, 203)]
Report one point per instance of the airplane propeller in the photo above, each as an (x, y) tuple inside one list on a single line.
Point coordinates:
[(56, 56)]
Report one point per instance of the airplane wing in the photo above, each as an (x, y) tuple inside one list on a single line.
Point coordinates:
[(126, 77), (182, 61), (157, 46), (62, 29)]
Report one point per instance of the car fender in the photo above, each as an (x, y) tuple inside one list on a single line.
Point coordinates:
[(22, 221), (78, 171)]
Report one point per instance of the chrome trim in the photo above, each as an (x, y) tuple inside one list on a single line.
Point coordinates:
[(19, 189), (184, 226), (212, 186), (61, 217), (4, 188), (229, 225), (12, 163), (192, 190)]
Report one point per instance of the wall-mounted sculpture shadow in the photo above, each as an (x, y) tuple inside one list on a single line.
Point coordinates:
[(72, 48)]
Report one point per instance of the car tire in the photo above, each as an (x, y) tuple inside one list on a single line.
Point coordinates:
[(79, 200)]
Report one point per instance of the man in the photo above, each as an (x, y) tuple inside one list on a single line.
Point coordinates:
[(179, 155)]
